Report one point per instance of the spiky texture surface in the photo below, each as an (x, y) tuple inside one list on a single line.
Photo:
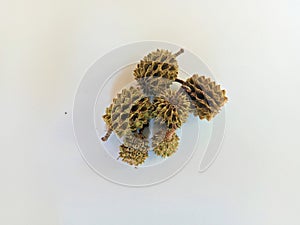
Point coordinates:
[(157, 71), (154, 77), (162, 146), (123, 119), (163, 56), (172, 108), (137, 142), (107, 116), (132, 156), (207, 97)]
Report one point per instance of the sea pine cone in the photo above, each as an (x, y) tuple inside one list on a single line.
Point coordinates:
[(164, 147), (132, 156), (172, 108), (121, 115), (207, 97), (157, 71)]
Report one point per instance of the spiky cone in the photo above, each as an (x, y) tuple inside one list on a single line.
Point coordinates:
[(154, 77), (164, 147), (157, 71), (122, 117), (134, 151), (171, 108), (207, 97)]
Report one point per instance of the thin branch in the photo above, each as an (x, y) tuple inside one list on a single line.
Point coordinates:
[(179, 52), (170, 133), (179, 81), (108, 133)]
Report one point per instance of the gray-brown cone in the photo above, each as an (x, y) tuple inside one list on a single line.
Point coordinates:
[(207, 97)]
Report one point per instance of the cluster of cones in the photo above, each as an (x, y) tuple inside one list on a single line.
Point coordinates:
[(157, 98)]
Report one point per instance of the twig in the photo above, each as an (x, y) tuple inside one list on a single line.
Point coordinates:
[(170, 133), (108, 133), (180, 81), (179, 52)]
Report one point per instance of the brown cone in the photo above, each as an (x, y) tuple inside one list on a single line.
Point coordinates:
[(207, 97)]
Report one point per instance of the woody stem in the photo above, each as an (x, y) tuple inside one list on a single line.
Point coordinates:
[(108, 133), (170, 133), (183, 85), (179, 52), (179, 81)]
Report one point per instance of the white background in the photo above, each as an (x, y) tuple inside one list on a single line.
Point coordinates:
[(253, 49)]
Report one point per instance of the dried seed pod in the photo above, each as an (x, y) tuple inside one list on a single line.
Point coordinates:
[(157, 71), (132, 156), (164, 147), (135, 149), (207, 97), (122, 117), (172, 108)]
